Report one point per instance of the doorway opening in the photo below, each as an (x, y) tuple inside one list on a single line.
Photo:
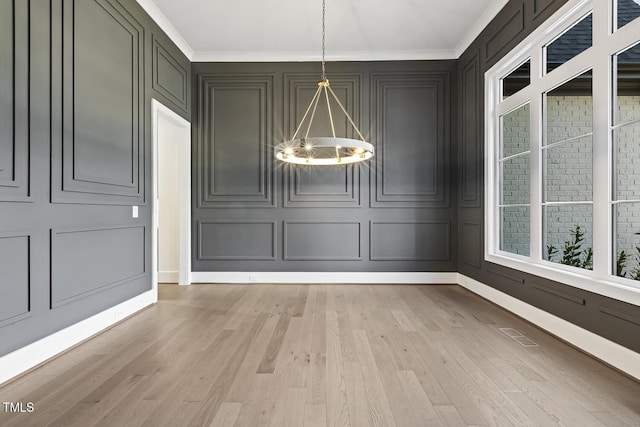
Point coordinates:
[(171, 197)]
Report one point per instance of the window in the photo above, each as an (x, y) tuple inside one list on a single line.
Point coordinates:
[(567, 174), (625, 134), (563, 150), (576, 40), (515, 181), (516, 80), (626, 11)]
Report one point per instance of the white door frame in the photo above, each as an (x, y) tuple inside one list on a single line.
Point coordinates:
[(160, 112)]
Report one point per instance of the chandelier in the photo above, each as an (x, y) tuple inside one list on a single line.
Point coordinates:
[(324, 150)]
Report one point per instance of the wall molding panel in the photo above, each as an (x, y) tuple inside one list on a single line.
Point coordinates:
[(469, 143), (322, 187), (410, 168), (169, 77), (336, 187), (410, 240), (512, 23), (15, 264), (98, 137), (540, 6), (235, 137), (300, 87), (634, 319), (14, 101), (470, 248), (77, 267), (322, 241), (237, 240)]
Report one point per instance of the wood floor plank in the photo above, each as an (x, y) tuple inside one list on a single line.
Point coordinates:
[(330, 355), (450, 416), (315, 415), (259, 404), (359, 414), (268, 362), (403, 321), (416, 395), (300, 302), (379, 407), (336, 391), (242, 383), (220, 388), (227, 414), (294, 407)]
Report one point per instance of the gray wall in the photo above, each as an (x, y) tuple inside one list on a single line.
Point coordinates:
[(612, 319), (253, 213), (76, 82)]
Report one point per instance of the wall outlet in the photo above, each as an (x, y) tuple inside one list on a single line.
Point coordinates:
[(253, 277), (134, 211)]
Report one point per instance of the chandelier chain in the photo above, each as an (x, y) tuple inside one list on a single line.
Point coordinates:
[(324, 73)]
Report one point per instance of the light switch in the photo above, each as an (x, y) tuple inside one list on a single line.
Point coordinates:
[(134, 211)]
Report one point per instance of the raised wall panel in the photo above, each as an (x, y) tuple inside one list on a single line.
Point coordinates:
[(15, 263), (327, 187), (14, 101), (322, 241), (506, 273), (336, 186), (170, 76), (410, 241), (511, 24), (559, 294), (239, 240), (630, 318), (471, 248), (621, 321), (470, 142), (410, 117), (86, 261), (97, 107), (235, 141), (539, 6)]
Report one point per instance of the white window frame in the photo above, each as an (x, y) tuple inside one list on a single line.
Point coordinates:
[(606, 42)]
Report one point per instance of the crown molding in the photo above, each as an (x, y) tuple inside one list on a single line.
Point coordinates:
[(314, 56), (163, 22), (481, 23)]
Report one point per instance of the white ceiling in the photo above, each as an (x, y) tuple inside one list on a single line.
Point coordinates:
[(290, 30)]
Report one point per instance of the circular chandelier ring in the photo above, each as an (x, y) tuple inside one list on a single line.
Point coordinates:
[(324, 151)]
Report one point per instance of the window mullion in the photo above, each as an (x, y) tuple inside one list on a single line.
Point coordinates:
[(602, 106), (536, 173)]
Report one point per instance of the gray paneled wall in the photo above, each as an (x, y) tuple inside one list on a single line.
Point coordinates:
[(76, 82), (251, 213), (14, 101), (615, 320)]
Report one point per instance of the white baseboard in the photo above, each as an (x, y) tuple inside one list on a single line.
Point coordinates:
[(168, 277), (609, 352), (324, 277), (32, 355)]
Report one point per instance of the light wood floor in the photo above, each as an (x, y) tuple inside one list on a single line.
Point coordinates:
[(323, 355)]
